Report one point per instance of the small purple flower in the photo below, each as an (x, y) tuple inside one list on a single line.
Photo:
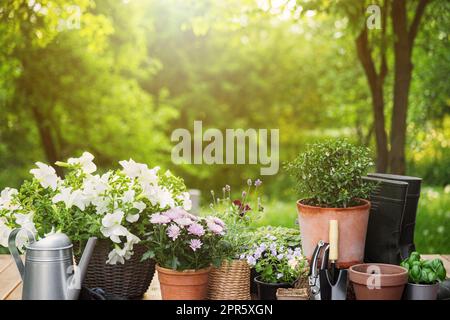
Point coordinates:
[(173, 231), (280, 256), (195, 244), (182, 222), (215, 228), (273, 252), (219, 222), (159, 219), (196, 229), (251, 261), (258, 183), (242, 257), (175, 213)]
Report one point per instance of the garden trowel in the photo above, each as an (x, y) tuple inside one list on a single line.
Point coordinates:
[(327, 284)]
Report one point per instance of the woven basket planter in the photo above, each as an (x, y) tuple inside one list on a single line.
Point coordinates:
[(129, 280), (230, 282)]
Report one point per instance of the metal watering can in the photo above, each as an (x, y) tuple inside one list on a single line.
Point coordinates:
[(49, 272)]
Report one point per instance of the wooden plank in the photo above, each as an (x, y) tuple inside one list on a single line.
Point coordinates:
[(16, 293), (9, 280), (153, 292), (5, 260)]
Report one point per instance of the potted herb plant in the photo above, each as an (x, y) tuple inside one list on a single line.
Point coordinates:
[(278, 267), (184, 246), (287, 237), (113, 207), (423, 276), (231, 281), (329, 182)]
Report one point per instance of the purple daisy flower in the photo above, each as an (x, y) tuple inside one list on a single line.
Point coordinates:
[(196, 229), (183, 221), (159, 219), (173, 231), (175, 213), (258, 183), (215, 228), (195, 244)]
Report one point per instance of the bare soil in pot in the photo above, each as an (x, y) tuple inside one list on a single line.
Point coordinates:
[(314, 226), (183, 285), (377, 281)]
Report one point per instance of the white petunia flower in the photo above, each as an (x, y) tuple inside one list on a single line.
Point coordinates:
[(86, 162), (132, 217), (6, 199), (116, 255), (128, 196), (111, 226), (140, 206), (70, 199), (93, 186), (26, 221), (46, 175), (133, 169), (4, 232), (149, 175), (185, 198), (101, 205), (165, 198)]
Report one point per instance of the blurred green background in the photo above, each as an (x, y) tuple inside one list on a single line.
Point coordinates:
[(115, 78)]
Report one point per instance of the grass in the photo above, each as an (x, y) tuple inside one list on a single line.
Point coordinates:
[(432, 234)]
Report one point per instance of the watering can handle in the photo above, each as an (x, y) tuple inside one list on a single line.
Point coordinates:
[(13, 248)]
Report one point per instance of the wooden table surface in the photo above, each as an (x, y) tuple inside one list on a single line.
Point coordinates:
[(11, 284)]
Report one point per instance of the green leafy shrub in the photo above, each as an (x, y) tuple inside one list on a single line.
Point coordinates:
[(424, 271), (328, 174)]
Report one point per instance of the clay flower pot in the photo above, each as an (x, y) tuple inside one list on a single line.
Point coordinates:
[(314, 225), (183, 285), (377, 281)]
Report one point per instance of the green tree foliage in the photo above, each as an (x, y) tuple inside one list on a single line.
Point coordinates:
[(119, 82)]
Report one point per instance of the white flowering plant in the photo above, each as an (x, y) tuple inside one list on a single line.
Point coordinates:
[(276, 263), (179, 240), (115, 205)]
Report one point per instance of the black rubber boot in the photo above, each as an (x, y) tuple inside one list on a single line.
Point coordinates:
[(409, 216), (385, 221)]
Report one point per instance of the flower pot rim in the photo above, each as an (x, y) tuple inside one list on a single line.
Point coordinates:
[(257, 280), (423, 284), (358, 276), (177, 272), (364, 206)]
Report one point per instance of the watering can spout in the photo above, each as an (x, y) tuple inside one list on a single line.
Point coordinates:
[(80, 272)]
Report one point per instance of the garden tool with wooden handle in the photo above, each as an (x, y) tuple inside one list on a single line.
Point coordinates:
[(337, 278)]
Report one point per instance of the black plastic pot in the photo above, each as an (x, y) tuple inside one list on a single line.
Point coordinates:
[(253, 286), (416, 291), (268, 291)]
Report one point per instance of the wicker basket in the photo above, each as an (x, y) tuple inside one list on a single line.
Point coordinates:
[(129, 280), (230, 281)]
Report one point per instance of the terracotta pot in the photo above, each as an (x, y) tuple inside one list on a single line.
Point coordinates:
[(183, 285), (314, 225), (377, 281)]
